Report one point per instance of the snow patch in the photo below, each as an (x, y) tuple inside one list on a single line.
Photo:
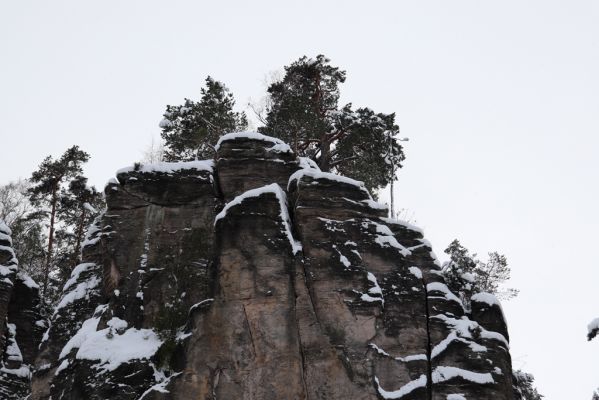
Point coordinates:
[(79, 292), (113, 349), (441, 287), (416, 272), (4, 228), (403, 391), (249, 135), (170, 167), (307, 163), (385, 238), (375, 293), (456, 396), (443, 374), (403, 223), (27, 280), (280, 195), (314, 174), (487, 298)]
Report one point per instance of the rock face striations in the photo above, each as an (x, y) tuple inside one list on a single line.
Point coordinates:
[(257, 276), (21, 325)]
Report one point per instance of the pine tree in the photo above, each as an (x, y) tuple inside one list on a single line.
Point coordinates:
[(465, 274), (596, 395), (79, 205), (304, 111), (191, 130), (522, 383), (47, 182)]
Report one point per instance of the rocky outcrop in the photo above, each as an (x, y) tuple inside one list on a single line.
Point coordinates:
[(21, 325), (259, 277)]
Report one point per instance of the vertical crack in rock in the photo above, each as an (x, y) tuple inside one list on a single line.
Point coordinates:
[(174, 301), (429, 372)]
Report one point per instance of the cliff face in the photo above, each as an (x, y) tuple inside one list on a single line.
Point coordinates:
[(21, 325), (260, 277)]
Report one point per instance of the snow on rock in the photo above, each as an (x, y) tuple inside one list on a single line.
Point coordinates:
[(441, 287), (160, 386), (280, 148), (79, 292), (22, 372), (278, 145), (403, 223), (7, 270), (464, 328), (403, 391), (75, 274), (113, 349), (5, 237), (453, 337), (63, 365), (375, 293), (416, 272), (315, 174), (414, 357), (487, 298), (88, 327), (4, 228), (170, 167), (456, 396), (308, 163), (368, 203), (281, 196), (13, 352), (385, 238), (27, 280), (443, 373), (112, 346)]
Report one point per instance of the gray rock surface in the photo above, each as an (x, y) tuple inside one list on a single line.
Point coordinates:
[(21, 325), (259, 277)]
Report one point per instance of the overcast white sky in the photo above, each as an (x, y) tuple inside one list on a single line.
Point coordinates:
[(500, 101)]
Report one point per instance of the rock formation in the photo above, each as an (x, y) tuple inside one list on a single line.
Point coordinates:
[(257, 276), (21, 325)]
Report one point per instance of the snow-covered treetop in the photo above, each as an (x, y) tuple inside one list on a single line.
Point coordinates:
[(170, 167), (278, 145)]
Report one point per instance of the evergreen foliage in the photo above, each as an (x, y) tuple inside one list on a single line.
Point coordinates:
[(191, 130), (522, 383), (79, 205), (304, 111), (466, 274), (54, 201)]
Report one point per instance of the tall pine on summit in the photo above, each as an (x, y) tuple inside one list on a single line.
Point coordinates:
[(191, 130), (45, 192), (304, 111)]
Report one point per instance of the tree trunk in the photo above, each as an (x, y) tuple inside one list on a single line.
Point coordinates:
[(79, 234), (50, 239)]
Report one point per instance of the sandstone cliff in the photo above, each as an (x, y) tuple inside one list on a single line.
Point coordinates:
[(257, 276), (21, 325)]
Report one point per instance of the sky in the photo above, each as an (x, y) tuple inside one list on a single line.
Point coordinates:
[(500, 101)]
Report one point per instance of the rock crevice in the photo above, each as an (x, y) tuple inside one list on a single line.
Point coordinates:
[(259, 277)]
